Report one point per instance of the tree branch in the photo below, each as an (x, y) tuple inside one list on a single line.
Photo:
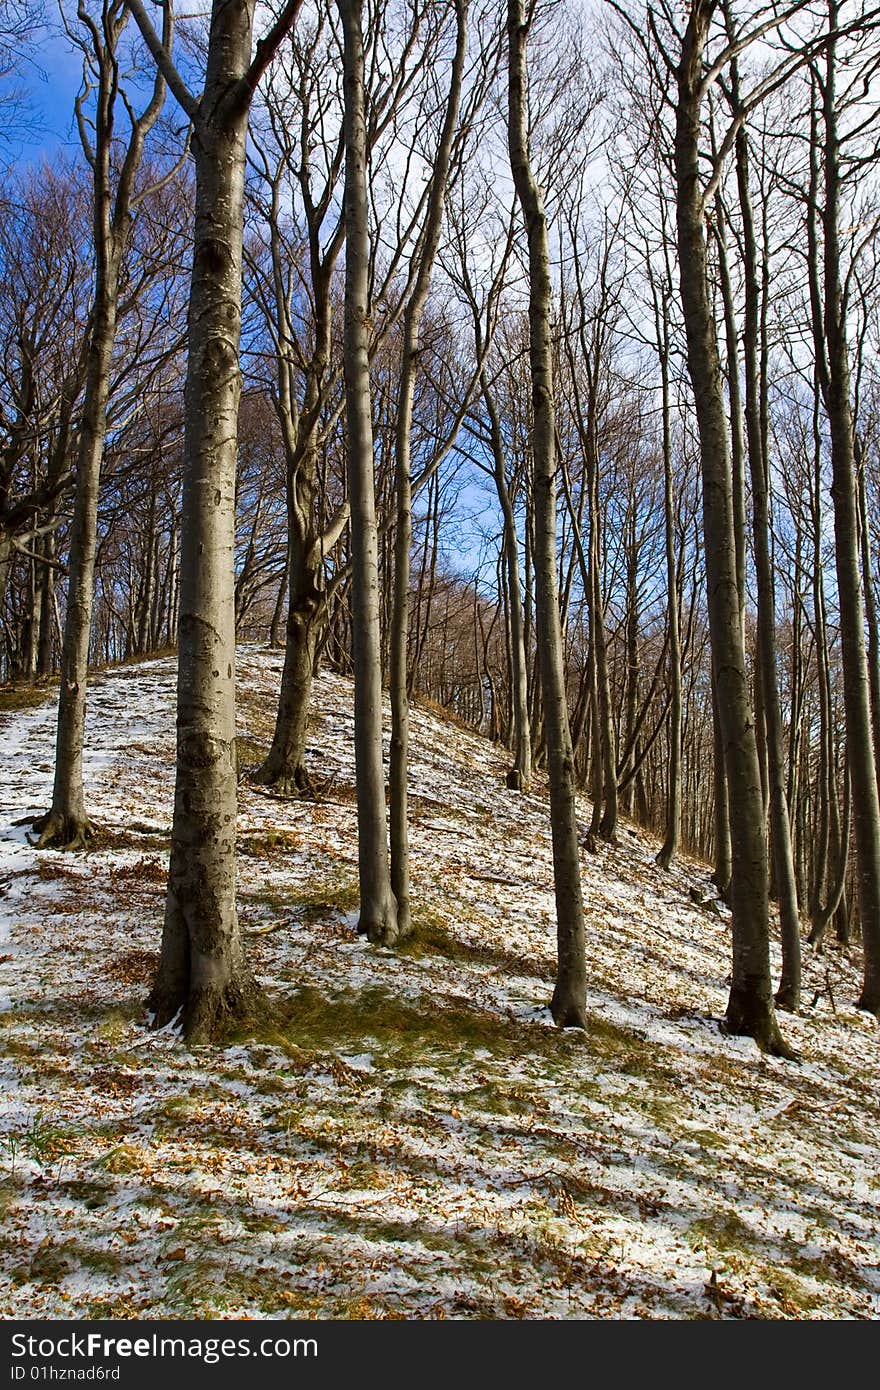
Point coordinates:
[(162, 57)]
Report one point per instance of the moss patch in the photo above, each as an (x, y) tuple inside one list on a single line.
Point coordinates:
[(19, 697), (404, 1029)]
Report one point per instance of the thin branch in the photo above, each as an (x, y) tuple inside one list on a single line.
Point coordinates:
[(176, 85)]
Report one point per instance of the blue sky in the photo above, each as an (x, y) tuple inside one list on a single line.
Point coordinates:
[(51, 81)]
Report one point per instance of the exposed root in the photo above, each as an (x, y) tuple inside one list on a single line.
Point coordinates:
[(208, 1013), (787, 997), (57, 831), (751, 1016), (379, 922), (384, 933), (298, 785)]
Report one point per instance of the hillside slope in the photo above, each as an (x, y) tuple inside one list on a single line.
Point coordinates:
[(410, 1136)]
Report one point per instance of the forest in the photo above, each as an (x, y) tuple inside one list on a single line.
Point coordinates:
[(440, 659)]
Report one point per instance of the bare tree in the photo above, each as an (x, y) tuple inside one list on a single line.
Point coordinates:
[(67, 824), (378, 914), (202, 970), (569, 1002)]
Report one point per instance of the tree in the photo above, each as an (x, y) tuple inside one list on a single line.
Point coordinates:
[(833, 367), (378, 909), (67, 824), (750, 1004), (412, 319), (569, 996), (757, 430), (298, 156), (43, 337), (202, 970)]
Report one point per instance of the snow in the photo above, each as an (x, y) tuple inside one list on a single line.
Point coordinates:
[(410, 1136)]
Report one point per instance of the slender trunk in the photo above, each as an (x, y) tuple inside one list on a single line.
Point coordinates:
[(633, 671), (400, 879), (607, 827), (856, 692), (750, 1005), (788, 994), (669, 848), (520, 775), (839, 848), (871, 615), (569, 997), (284, 767), (277, 611), (47, 613), (825, 769), (67, 824), (378, 910)]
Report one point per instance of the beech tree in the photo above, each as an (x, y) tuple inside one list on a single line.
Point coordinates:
[(569, 996), (66, 825), (203, 974), (43, 337), (830, 312), (378, 909)]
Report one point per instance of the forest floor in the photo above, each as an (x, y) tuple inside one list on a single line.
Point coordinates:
[(410, 1137)]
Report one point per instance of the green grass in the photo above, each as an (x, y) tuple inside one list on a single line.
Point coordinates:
[(432, 936), (402, 1031)]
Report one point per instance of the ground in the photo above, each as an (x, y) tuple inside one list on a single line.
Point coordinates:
[(410, 1136)]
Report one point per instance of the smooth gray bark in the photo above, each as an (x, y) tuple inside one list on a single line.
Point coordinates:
[(789, 991), (202, 972), (427, 252), (835, 383), (669, 848), (569, 996), (378, 907)]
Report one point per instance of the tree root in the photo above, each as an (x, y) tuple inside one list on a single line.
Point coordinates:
[(787, 998), (57, 831), (207, 1014), (869, 1002), (297, 785), (515, 781), (749, 1017), (568, 1011), (380, 924)]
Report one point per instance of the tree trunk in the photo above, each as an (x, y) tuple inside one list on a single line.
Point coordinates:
[(520, 775), (378, 908), (284, 767), (569, 997), (202, 970), (871, 615), (856, 694), (669, 848), (67, 824), (400, 879), (788, 994), (750, 1005)]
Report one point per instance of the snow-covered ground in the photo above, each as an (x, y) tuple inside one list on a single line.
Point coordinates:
[(409, 1136)]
